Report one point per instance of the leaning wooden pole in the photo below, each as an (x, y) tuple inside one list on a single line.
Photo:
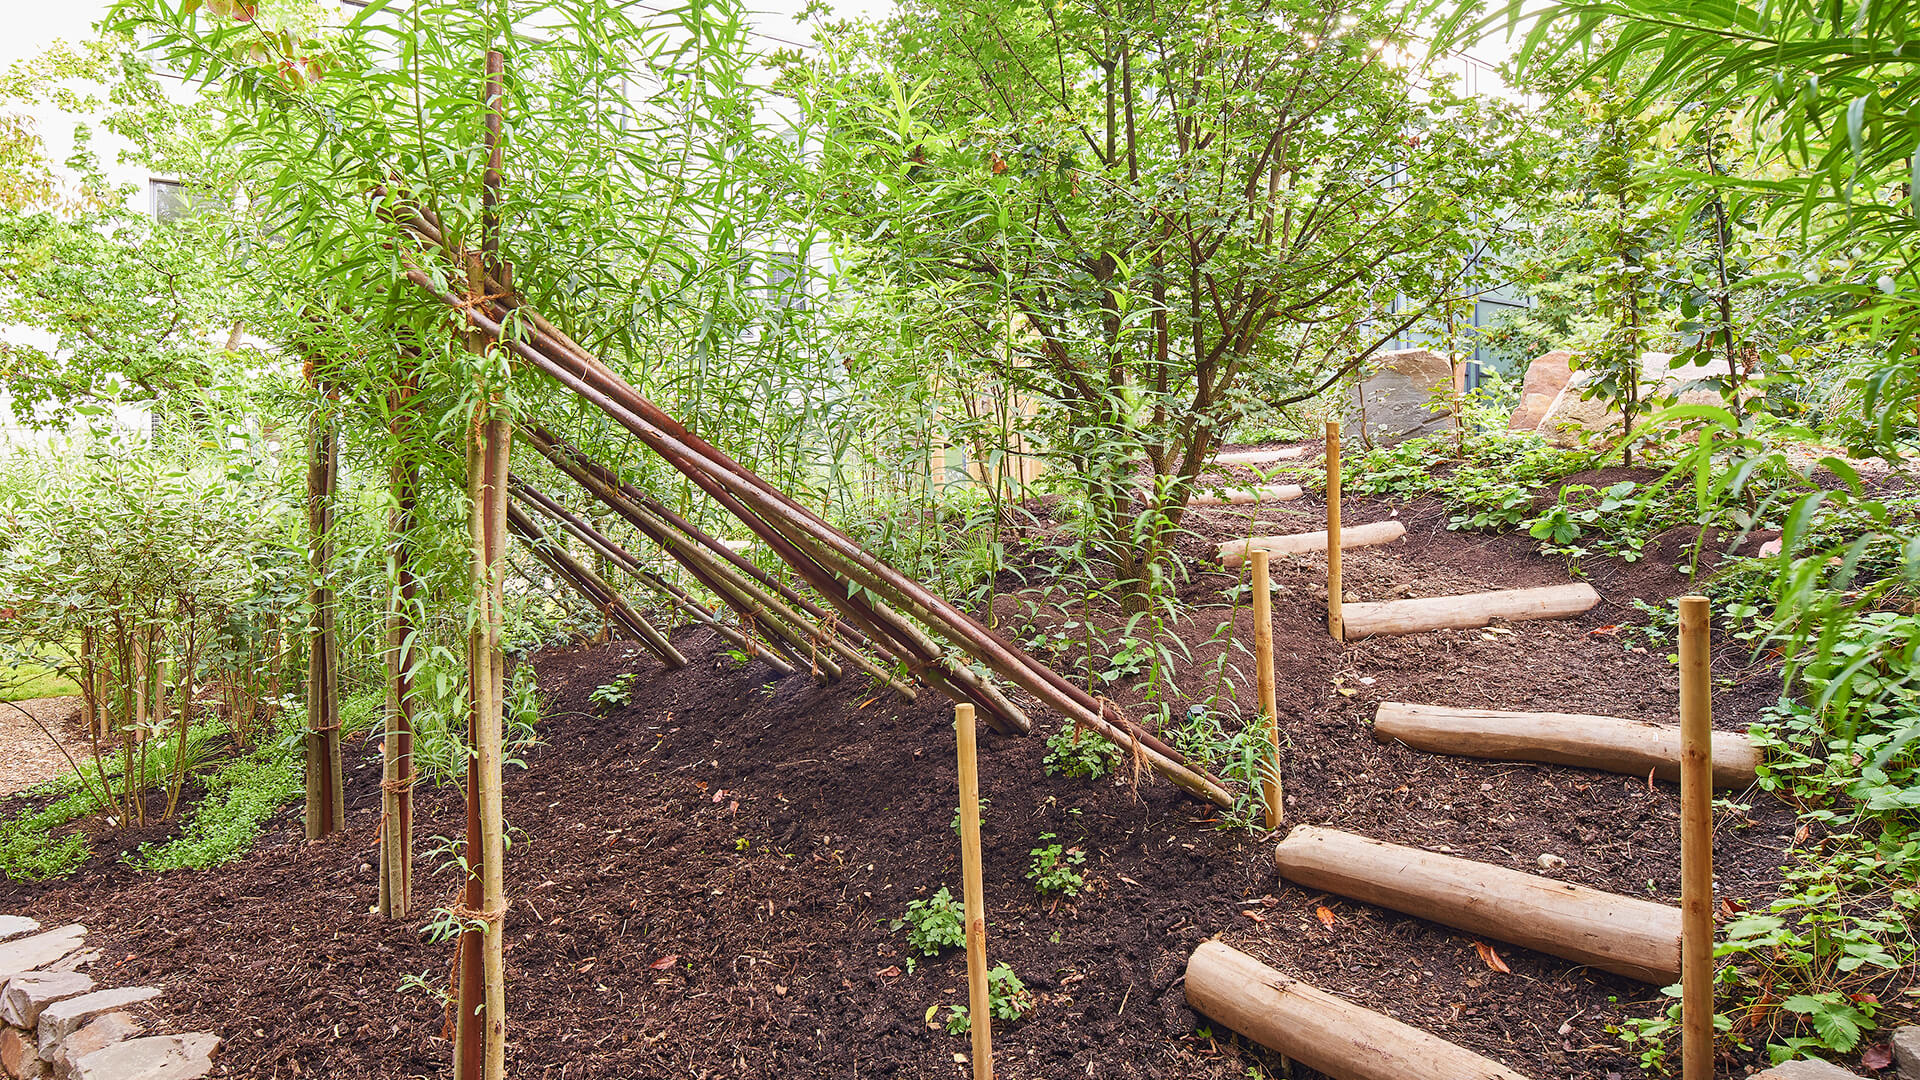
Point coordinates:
[(1696, 839), (979, 1002), (605, 546), (397, 775), (326, 803), (1263, 676), (1336, 622)]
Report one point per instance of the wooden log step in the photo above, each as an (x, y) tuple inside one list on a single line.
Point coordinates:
[(1261, 457), (1608, 743), (1242, 496), (1323, 1032), (1469, 610), (1236, 552), (1622, 934)]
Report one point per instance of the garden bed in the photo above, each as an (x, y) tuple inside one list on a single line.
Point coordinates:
[(702, 882)]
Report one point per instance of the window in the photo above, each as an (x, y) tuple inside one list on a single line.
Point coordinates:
[(172, 200)]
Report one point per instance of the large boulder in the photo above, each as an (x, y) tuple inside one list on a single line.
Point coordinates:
[(1396, 401), (1572, 419), (1546, 376)]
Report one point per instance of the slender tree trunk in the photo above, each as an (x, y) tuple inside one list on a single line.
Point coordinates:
[(396, 749), (481, 1027), (326, 808)]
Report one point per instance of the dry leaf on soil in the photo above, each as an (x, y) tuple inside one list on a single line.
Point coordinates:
[(1491, 958), (1325, 916)]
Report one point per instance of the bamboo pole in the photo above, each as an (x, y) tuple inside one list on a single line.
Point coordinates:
[(1696, 839), (1263, 673), (1336, 623), (979, 1002), (326, 802)]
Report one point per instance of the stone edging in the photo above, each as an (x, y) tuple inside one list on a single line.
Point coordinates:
[(58, 1027)]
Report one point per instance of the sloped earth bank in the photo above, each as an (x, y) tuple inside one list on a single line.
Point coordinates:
[(702, 881)]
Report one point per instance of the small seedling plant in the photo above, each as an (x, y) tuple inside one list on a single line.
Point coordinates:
[(615, 694), (1054, 871), (1079, 754), (1007, 999), (936, 923)]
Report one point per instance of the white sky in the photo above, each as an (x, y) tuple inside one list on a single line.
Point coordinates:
[(32, 25)]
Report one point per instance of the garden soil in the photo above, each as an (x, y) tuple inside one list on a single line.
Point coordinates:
[(703, 882)]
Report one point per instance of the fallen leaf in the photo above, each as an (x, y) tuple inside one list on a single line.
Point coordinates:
[(665, 962), (1491, 958), (1731, 907), (1876, 1057), (1325, 916), (1130, 881), (1255, 916), (1605, 631), (891, 971)]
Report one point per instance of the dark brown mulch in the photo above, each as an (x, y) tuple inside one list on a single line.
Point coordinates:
[(703, 881)]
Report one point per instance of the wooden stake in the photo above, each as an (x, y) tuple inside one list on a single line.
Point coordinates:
[(1336, 623), (979, 1007), (1696, 839), (1263, 675)]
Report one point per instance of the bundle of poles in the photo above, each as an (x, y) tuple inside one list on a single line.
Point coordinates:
[(876, 609)]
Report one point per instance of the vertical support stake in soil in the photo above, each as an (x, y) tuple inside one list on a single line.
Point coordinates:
[(979, 1008), (1263, 674), (1336, 624), (1696, 839)]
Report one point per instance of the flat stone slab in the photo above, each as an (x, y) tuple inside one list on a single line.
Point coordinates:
[(74, 960), (156, 1057), (98, 1034), (29, 953), (1807, 1069), (12, 926), (27, 995), (63, 1018)]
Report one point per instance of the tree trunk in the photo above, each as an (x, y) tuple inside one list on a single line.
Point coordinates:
[(326, 807)]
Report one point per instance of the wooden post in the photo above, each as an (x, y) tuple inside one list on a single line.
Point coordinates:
[(1696, 839), (979, 1009), (1336, 625), (326, 804), (1263, 675)]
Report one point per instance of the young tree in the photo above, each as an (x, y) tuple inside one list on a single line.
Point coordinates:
[(1166, 204)]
